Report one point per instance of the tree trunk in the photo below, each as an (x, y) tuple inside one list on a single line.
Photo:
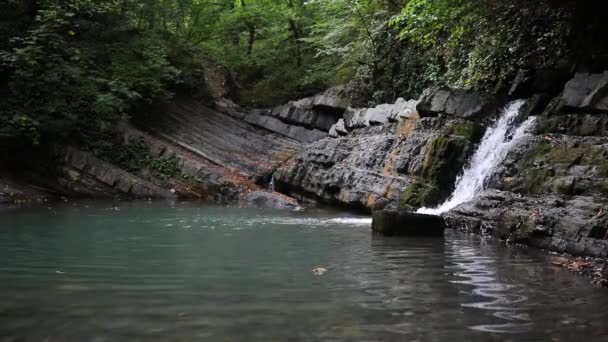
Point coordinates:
[(251, 38), (296, 37)]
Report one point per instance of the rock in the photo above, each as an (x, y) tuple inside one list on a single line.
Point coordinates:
[(227, 106), (355, 118), (379, 115), (336, 99), (346, 171), (565, 225), (586, 92), (403, 109), (338, 129), (432, 102), (456, 102), (299, 133), (371, 167), (521, 85), (268, 199), (542, 81), (549, 81), (306, 120), (319, 112), (407, 224), (99, 178)]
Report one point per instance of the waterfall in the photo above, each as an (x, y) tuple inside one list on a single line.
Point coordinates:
[(271, 184), (492, 150)]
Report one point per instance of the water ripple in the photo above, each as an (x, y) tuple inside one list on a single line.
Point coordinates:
[(503, 300)]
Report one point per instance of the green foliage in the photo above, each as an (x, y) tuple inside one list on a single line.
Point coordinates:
[(478, 44), (78, 71), (134, 156)]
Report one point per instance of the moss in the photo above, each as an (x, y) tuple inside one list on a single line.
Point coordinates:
[(472, 131), (418, 195), (602, 168), (539, 151), (565, 155), (533, 180), (565, 187), (165, 167), (444, 159)]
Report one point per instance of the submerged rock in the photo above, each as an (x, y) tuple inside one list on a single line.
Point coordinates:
[(390, 223), (268, 199)]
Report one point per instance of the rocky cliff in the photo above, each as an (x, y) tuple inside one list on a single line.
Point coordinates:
[(551, 190), (394, 155)]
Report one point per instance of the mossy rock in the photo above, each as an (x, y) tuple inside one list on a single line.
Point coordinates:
[(445, 158), (514, 228), (419, 195), (472, 131), (407, 224)]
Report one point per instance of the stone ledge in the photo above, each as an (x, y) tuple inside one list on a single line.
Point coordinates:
[(402, 223)]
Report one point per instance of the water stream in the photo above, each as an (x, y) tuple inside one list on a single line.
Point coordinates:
[(182, 272), (498, 140)]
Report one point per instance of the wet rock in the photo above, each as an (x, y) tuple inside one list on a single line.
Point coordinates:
[(456, 102), (566, 225), (403, 223), (15, 190), (268, 199), (371, 167), (586, 92)]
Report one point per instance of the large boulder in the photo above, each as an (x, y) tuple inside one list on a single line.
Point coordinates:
[(337, 98), (456, 102), (392, 222), (586, 92)]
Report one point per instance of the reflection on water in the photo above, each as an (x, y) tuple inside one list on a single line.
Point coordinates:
[(156, 272), (505, 301)]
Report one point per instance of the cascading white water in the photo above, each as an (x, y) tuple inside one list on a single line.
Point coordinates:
[(492, 150)]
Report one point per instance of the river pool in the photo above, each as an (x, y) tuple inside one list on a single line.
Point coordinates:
[(185, 272)]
